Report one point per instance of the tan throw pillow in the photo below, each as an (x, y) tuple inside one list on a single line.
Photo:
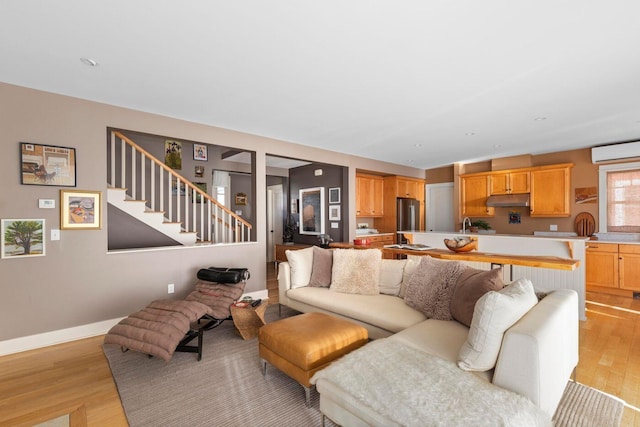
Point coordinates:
[(300, 262), (431, 286), (495, 312), (471, 285), (321, 267), (356, 271)]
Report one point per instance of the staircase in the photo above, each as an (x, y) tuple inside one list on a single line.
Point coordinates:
[(148, 190)]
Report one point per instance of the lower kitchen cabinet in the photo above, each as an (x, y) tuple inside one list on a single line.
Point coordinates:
[(612, 265)]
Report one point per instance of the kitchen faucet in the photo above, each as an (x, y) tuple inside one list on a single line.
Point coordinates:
[(464, 224)]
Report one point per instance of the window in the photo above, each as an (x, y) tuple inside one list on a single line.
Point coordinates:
[(619, 201)]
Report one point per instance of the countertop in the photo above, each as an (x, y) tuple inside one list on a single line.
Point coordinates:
[(489, 235)]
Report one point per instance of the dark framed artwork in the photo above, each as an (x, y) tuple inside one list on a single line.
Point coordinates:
[(173, 154), (47, 165), (200, 152), (334, 195)]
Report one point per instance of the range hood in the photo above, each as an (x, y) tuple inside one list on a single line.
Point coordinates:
[(508, 200)]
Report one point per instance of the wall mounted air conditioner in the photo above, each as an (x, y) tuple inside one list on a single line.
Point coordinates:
[(605, 153)]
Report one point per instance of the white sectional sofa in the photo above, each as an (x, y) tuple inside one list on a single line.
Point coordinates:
[(537, 354)]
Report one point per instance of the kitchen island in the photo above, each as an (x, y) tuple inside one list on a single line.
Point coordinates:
[(520, 253)]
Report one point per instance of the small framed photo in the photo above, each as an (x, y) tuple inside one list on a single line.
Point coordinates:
[(80, 210), (200, 152), (334, 213), (47, 165), (22, 238), (334, 195), (241, 199), (199, 171)]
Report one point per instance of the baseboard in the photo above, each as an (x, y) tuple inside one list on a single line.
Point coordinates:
[(46, 339)]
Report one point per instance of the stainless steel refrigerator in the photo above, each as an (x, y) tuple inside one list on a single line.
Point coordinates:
[(407, 215)]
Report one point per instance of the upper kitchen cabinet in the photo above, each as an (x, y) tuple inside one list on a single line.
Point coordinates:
[(510, 182), (411, 188), (475, 190), (551, 191), (369, 196)]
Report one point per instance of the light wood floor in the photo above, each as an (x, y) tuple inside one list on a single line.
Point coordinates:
[(75, 378)]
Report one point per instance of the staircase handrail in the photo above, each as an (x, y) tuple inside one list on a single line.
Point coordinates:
[(183, 179)]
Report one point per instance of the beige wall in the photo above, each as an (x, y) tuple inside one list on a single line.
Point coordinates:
[(78, 282)]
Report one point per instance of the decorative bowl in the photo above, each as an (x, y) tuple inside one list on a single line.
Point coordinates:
[(461, 244)]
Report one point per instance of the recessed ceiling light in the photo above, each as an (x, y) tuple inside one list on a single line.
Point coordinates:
[(88, 61), (539, 119), (417, 145), (470, 133), (496, 146)]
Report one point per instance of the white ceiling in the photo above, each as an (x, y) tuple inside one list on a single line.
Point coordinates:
[(418, 82)]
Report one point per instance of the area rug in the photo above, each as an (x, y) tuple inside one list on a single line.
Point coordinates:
[(227, 388)]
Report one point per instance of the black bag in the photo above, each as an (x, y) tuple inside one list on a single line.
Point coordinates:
[(223, 275)]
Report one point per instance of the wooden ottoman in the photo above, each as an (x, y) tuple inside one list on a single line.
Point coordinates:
[(302, 345)]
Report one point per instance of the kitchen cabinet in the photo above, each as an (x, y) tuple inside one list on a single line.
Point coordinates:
[(512, 182), (475, 190), (394, 187), (551, 191), (610, 265), (369, 196), (411, 188)]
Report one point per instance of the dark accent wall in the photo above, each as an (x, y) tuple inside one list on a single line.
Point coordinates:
[(332, 177), (126, 232)]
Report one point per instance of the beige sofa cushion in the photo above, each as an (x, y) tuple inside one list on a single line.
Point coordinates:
[(384, 311), (495, 312), (356, 271), (300, 261), (391, 274), (471, 285)]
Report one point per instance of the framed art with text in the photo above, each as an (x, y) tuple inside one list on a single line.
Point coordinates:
[(47, 165)]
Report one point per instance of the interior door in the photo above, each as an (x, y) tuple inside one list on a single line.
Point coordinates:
[(275, 219), (439, 207)]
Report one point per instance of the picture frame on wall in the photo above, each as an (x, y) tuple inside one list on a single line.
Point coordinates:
[(334, 195), (22, 238), (312, 210), (47, 165), (173, 154), (200, 152), (241, 199), (80, 210), (334, 212)]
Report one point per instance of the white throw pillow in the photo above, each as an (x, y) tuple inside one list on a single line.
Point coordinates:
[(391, 274), (356, 271), (494, 313), (300, 261)]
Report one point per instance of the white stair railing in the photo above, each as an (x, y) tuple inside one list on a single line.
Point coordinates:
[(147, 178)]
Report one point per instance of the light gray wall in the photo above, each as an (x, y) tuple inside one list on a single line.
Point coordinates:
[(78, 282)]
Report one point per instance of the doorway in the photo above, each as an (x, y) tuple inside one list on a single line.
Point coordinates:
[(439, 207), (275, 218)]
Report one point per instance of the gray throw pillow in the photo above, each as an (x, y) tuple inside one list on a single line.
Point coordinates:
[(431, 286), (321, 267), (473, 284)]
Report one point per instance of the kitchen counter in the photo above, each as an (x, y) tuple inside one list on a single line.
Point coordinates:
[(515, 249)]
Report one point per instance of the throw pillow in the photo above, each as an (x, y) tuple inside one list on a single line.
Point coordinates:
[(431, 286), (321, 267), (471, 285), (391, 273), (356, 271), (495, 312), (409, 268), (300, 262)]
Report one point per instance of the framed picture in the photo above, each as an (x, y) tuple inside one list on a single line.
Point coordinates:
[(174, 187), (200, 152), (334, 212), (203, 187), (47, 165), (173, 154), (199, 171), (22, 238), (334, 195), (241, 199), (80, 210), (312, 210)]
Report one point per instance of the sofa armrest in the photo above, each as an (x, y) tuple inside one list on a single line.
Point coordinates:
[(284, 282), (540, 351)]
